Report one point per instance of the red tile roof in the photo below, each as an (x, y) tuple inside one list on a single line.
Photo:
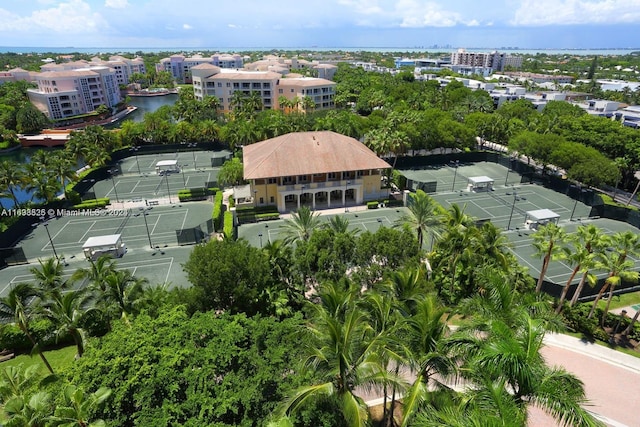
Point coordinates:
[(304, 153)]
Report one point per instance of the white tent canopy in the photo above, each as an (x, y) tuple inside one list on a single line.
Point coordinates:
[(535, 218), (480, 183), (109, 244)]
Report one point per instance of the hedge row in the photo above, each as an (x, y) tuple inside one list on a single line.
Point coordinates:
[(190, 194), (217, 211), (93, 203), (228, 225)]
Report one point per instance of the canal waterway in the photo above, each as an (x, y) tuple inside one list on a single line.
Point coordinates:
[(144, 105)]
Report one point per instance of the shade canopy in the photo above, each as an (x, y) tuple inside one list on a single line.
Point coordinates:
[(102, 241), (542, 215)]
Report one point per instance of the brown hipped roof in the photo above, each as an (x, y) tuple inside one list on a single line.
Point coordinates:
[(305, 153)]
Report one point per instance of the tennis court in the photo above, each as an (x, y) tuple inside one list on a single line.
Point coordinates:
[(559, 271), (363, 220), (454, 176), (506, 207), (140, 227)]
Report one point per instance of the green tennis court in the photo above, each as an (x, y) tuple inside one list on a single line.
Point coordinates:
[(559, 271), (507, 207), (454, 176), (159, 225), (363, 220)]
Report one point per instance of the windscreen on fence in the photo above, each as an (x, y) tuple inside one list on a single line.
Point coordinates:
[(426, 186), (12, 256), (195, 235)]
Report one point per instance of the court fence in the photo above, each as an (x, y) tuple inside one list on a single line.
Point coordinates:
[(195, 235), (12, 256)]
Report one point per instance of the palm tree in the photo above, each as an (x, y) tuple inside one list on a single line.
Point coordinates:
[(585, 246), (595, 242), (340, 225), (96, 274), (124, 292), (423, 216), (426, 330), (344, 353), (11, 177), (18, 308), (67, 312), (509, 355), (300, 225), (49, 277), (619, 267), (547, 242), (64, 168)]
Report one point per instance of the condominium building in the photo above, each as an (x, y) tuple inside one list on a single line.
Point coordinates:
[(494, 60), (123, 67), (180, 66), (68, 93), (320, 91), (209, 80), (284, 66)]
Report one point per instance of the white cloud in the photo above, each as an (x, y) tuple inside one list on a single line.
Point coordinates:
[(116, 4), (571, 12), (187, 27), (74, 16)]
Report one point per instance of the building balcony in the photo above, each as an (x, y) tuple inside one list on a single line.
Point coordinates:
[(319, 186)]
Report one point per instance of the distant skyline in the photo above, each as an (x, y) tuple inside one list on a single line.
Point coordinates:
[(525, 24)]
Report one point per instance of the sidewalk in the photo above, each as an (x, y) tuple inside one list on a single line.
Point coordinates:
[(593, 350)]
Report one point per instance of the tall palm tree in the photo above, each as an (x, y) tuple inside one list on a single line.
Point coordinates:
[(340, 225), (49, 277), (423, 216), (18, 307), (124, 292), (344, 353), (547, 242), (300, 225), (96, 274), (426, 330), (595, 242), (11, 177), (64, 168), (623, 245), (67, 311), (510, 355)]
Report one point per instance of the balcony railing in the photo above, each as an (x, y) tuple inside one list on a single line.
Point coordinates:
[(327, 185)]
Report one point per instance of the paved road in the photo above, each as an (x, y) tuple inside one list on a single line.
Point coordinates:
[(611, 380)]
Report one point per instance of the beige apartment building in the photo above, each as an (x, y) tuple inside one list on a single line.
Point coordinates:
[(320, 169), (209, 80), (180, 66), (123, 67), (68, 93)]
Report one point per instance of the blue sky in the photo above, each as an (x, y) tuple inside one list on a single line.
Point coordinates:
[(324, 23)]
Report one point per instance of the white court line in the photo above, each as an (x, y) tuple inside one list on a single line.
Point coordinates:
[(134, 187), (84, 236), (184, 220)]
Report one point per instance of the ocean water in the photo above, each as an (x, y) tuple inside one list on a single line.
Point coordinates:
[(414, 49)]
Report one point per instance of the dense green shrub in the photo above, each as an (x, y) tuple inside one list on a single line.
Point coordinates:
[(190, 194), (12, 338), (372, 205), (93, 203), (217, 211), (229, 229)]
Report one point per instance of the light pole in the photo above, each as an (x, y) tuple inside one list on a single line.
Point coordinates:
[(455, 173), (184, 182), (166, 176), (113, 181), (513, 206), (260, 236), (255, 197), (193, 145), (575, 204), (46, 227), (146, 225), (135, 152)]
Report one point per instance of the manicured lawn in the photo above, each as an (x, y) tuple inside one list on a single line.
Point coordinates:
[(620, 301), (59, 359)]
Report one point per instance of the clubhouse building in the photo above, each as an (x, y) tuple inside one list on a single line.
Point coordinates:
[(321, 170)]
